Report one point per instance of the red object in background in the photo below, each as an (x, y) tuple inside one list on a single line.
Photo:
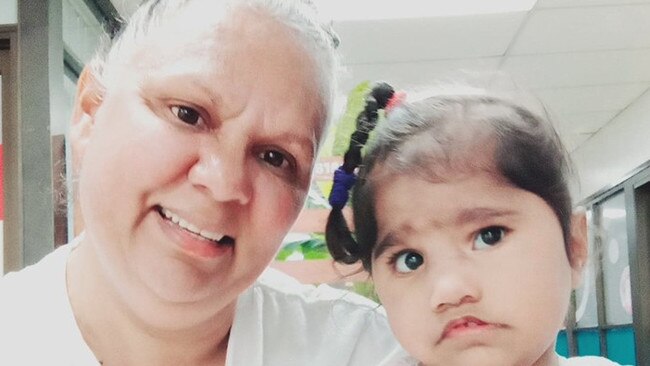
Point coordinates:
[(2, 193)]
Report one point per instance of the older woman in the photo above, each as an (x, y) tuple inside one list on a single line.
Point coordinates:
[(196, 133)]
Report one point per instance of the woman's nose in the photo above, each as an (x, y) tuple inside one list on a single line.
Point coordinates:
[(221, 172), (453, 287)]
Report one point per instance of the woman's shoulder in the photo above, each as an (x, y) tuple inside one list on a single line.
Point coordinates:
[(32, 294), (587, 361), (321, 324), (37, 279), (275, 284), (35, 314)]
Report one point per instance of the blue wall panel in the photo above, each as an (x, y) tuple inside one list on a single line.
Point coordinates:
[(620, 345), (562, 345), (588, 343)]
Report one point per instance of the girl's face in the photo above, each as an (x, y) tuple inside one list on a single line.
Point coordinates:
[(471, 271), (208, 135)]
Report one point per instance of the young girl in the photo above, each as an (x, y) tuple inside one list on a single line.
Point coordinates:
[(463, 216)]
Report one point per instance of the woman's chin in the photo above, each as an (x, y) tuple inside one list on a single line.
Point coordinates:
[(178, 283)]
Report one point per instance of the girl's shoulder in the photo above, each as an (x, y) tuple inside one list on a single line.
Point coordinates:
[(587, 361)]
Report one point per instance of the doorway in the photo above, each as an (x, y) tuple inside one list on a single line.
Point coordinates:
[(641, 281)]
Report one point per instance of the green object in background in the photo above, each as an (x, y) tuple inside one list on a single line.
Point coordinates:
[(347, 124), (313, 248), (366, 289)]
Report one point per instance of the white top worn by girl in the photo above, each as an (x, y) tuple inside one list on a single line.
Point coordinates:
[(573, 361), (586, 361), (278, 322)]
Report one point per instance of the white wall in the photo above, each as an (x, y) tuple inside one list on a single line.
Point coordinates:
[(616, 150), (8, 12)]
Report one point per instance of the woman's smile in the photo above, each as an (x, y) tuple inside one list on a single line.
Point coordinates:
[(193, 239)]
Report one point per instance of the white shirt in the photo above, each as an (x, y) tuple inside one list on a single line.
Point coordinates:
[(278, 321), (573, 361), (586, 361)]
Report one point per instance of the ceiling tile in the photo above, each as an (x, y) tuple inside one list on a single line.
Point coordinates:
[(584, 29), (583, 3), (589, 122), (590, 99), (572, 141), (405, 40), (579, 69), (415, 75), (575, 129)]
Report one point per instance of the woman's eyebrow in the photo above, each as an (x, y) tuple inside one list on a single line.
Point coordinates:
[(305, 143), (185, 82)]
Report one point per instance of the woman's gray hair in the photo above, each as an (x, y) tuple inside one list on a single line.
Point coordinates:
[(316, 35)]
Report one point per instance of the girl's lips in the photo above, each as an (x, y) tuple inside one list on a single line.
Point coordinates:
[(194, 244), (467, 325)]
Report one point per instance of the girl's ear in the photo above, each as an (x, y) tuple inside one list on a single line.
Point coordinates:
[(87, 101), (578, 252)]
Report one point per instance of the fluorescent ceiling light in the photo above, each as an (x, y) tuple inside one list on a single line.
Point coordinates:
[(350, 10)]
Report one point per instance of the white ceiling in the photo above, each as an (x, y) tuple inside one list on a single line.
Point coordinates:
[(587, 60)]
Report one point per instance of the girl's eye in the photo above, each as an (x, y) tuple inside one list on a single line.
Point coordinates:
[(408, 262), (274, 158), (186, 114), (488, 237)]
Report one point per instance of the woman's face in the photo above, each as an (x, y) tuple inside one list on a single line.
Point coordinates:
[(472, 271), (198, 158)]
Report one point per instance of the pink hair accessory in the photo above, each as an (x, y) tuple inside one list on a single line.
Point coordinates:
[(395, 101)]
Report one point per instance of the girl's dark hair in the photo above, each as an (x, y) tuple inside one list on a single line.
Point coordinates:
[(337, 230), (442, 135)]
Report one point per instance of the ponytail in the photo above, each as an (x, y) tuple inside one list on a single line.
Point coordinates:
[(341, 243)]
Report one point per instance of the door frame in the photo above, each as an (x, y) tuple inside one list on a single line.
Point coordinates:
[(13, 220)]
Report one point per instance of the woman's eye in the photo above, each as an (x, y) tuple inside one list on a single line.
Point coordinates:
[(186, 114), (408, 262), (488, 237), (274, 158)]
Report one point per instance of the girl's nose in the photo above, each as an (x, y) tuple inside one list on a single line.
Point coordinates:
[(221, 172), (453, 287)]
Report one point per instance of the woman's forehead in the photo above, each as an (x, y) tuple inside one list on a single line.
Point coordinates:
[(175, 39), (243, 38), (246, 55)]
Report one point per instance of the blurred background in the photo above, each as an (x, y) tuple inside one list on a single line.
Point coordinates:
[(586, 61)]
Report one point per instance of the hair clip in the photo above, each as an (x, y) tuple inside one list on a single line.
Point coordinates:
[(395, 101)]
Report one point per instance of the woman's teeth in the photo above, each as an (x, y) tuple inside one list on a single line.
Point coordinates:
[(190, 227)]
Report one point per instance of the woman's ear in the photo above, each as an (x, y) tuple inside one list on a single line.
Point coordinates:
[(578, 252), (87, 100)]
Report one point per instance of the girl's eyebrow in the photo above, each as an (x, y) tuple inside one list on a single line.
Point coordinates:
[(384, 244), (477, 214)]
